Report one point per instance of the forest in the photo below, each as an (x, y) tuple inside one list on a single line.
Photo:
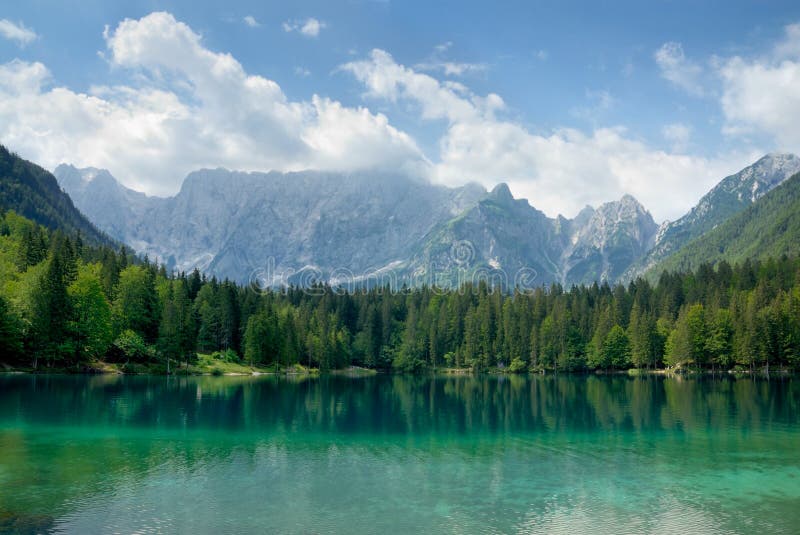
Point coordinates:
[(66, 305)]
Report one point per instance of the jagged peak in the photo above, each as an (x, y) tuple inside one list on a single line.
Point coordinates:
[(86, 174), (627, 204), (629, 199), (777, 156), (501, 192)]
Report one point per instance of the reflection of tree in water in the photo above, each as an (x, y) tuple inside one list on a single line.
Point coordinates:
[(394, 404), (63, 438)]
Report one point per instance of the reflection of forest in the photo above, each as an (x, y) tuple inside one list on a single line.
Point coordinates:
[(64, 436), (395, 404)]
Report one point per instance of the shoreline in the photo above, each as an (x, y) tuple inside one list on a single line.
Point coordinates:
[(356, 371)]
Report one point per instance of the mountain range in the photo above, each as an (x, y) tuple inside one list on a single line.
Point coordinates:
[(286, 227), (299, 227)]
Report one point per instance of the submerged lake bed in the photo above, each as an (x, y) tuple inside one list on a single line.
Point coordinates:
[(398, 454)]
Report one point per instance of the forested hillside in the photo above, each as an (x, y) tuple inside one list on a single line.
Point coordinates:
[(64, 304), (768, 229), (34, 193)]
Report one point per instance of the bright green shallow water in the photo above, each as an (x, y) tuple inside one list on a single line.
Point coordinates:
[(399, 455)]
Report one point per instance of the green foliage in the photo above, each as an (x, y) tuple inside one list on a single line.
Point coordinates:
[(517, 366), (136, 304), (770, 228), (80, 303), (229, 355), (91, 314), (617, 348), (129, 345), (34, 193), (10, 332)]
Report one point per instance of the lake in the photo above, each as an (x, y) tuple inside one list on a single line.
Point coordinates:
[(399, 454)]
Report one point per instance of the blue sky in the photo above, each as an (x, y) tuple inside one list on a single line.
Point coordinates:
[(569, 102)]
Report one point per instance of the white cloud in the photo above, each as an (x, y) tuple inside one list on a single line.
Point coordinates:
[(789, 47), (541, 55), (678, 69), (17, 32), (191, 108), (559, 172), (187, 106), (762, 95), (386, 79), (251, 21), (309, 27), (451, 68), (438, 63), (678, 135), (302, 72)]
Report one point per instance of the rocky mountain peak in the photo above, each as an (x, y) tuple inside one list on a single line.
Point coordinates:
[(501, 193)]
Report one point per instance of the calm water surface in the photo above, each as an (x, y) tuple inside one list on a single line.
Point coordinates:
[(399, 455)]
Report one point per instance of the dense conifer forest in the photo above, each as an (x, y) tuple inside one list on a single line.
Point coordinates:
[(67, 305)]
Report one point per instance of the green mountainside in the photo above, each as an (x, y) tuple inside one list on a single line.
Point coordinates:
[(730, 196), (34, 193), (769, 228)]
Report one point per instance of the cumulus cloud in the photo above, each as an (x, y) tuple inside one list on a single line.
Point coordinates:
[(192, 107), (251, 21), (186, 106), (309, 27), (760, 95), (678, 69), (17, 32), (559, 172)]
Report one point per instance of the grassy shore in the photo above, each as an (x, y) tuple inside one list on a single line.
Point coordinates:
[(214, 365), (204, 365)]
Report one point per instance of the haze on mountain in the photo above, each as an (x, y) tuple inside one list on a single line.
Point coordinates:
[(304, 226), (399, 229)]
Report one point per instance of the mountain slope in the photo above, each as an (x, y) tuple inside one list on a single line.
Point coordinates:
[(500, 235), (274, 225), (732, 195), (608, 242), (506, 239), (235, 224), (768, 228), (34, 193)]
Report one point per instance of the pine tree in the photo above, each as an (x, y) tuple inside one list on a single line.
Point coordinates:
[(616, 348), (90, 323)]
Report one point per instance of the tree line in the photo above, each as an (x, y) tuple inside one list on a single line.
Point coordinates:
[(64, 304)]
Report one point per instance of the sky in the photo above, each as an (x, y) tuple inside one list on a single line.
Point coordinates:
[(570, 103)]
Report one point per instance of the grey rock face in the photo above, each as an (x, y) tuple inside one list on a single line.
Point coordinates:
[(610, 240), (232, 224), (279, 227), (502, 239)]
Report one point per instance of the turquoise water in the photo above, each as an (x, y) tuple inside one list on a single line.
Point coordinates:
[(393, 454)]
